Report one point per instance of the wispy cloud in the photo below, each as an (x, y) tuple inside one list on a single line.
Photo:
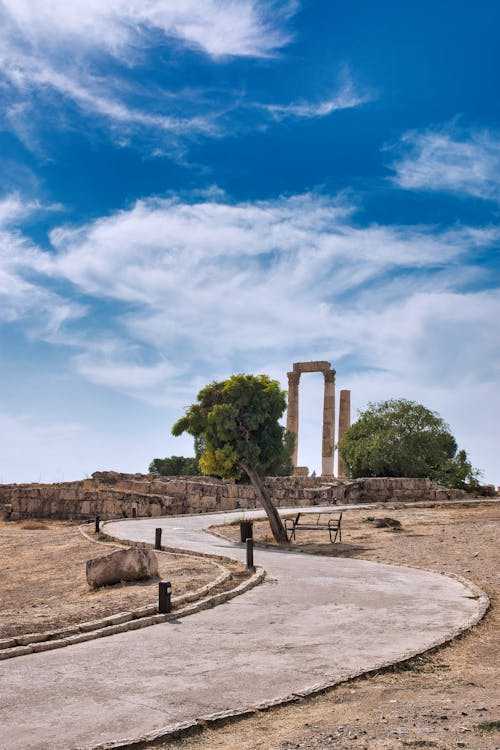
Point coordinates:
[(89, 60), (25, 294), (346, 96), (84, 54), (196, 290), (123, 28), (219, 280), (450, 160), (93, 95)]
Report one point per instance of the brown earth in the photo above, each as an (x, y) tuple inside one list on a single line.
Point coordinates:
[(43, 584), (443, 700)]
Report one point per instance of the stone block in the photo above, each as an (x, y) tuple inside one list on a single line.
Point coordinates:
[(132, 564), (160, 488), (176, 487)]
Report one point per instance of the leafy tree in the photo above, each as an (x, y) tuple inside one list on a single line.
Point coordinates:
[(175, 466), (400, 438), (458, 472), (237, 421)]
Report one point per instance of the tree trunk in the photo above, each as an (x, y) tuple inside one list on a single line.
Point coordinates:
[(275, 521)]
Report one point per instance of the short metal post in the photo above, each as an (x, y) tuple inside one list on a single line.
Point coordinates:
[(97, 521), (164, 594), (158, 539), (134, 512), (246, 530), (250, 565)]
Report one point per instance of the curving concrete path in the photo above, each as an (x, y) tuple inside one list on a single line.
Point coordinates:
[(314, 621)]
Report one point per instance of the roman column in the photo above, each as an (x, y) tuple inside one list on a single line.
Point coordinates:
[(328, 444), (344, 424), (292, 413)]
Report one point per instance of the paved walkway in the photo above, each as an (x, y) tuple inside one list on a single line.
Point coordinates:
[(314, 620)]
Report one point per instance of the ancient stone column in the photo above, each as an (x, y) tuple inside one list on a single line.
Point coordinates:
[(328, 445), (292, 413), (344, 424)]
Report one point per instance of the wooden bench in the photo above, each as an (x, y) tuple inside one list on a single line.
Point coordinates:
[(321, 521)]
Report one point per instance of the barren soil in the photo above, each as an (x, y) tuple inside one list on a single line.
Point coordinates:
[(43, 584), (444, 700)]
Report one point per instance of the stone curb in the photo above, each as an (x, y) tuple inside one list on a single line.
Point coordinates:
[(184, 729), (133, 620), (135, 624)]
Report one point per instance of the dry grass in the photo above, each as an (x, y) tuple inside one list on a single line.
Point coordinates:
[(43, 584), (33, 526)]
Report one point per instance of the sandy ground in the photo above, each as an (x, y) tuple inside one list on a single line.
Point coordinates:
[(444, 700), (43, 584)]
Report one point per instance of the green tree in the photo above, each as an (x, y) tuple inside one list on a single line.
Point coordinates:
[(458, 472), (175, 466), (400, 438), (237, 421)]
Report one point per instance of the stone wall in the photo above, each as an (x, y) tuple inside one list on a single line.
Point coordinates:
[(114, 495)]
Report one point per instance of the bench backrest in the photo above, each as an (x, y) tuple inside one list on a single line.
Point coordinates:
[(320, 517)]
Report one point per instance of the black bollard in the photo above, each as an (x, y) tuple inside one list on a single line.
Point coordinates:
[(164, 593), (250, 565), (134, 512), (246, 530), (158, 539), (97, 521)]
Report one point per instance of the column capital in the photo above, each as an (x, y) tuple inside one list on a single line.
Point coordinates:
[(329, 376), (293, 378)]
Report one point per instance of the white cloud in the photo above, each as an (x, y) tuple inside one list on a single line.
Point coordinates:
[(118, 364), (195, 291), (212, 277), (122, 27), (82, 55), (465, 163), (22, 295), (93, 95), (346, 97)]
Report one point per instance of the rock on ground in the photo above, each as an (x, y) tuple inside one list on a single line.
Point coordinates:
[(132, 564)]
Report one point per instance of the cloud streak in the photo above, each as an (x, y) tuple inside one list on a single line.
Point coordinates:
[(220, 281), (464, 163), (96, 61), (347, 96), (123, 28)]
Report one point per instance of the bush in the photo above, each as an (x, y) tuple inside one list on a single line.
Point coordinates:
[(175, 466), (400, 438)]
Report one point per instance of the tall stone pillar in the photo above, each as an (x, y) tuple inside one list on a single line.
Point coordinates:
[(328, 445), (344, 424), (292, 413)]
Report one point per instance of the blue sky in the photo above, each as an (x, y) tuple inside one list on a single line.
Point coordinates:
[(189, 190)]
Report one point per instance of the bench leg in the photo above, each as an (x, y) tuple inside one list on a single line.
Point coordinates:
[(338, 533)]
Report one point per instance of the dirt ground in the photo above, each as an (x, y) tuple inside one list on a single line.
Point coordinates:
[(43, 584), (447, 699)]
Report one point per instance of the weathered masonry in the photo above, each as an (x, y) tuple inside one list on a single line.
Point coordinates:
[(328, 433), (344, 424), (113, 495)]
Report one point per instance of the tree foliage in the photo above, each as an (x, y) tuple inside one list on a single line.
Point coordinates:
[(175, 466), (237, 423), (400, 438)]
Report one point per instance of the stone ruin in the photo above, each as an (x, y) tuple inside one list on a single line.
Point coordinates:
[(114, 495), (328, 433)]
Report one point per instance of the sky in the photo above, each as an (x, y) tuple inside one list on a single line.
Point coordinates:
[(194, 189)]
